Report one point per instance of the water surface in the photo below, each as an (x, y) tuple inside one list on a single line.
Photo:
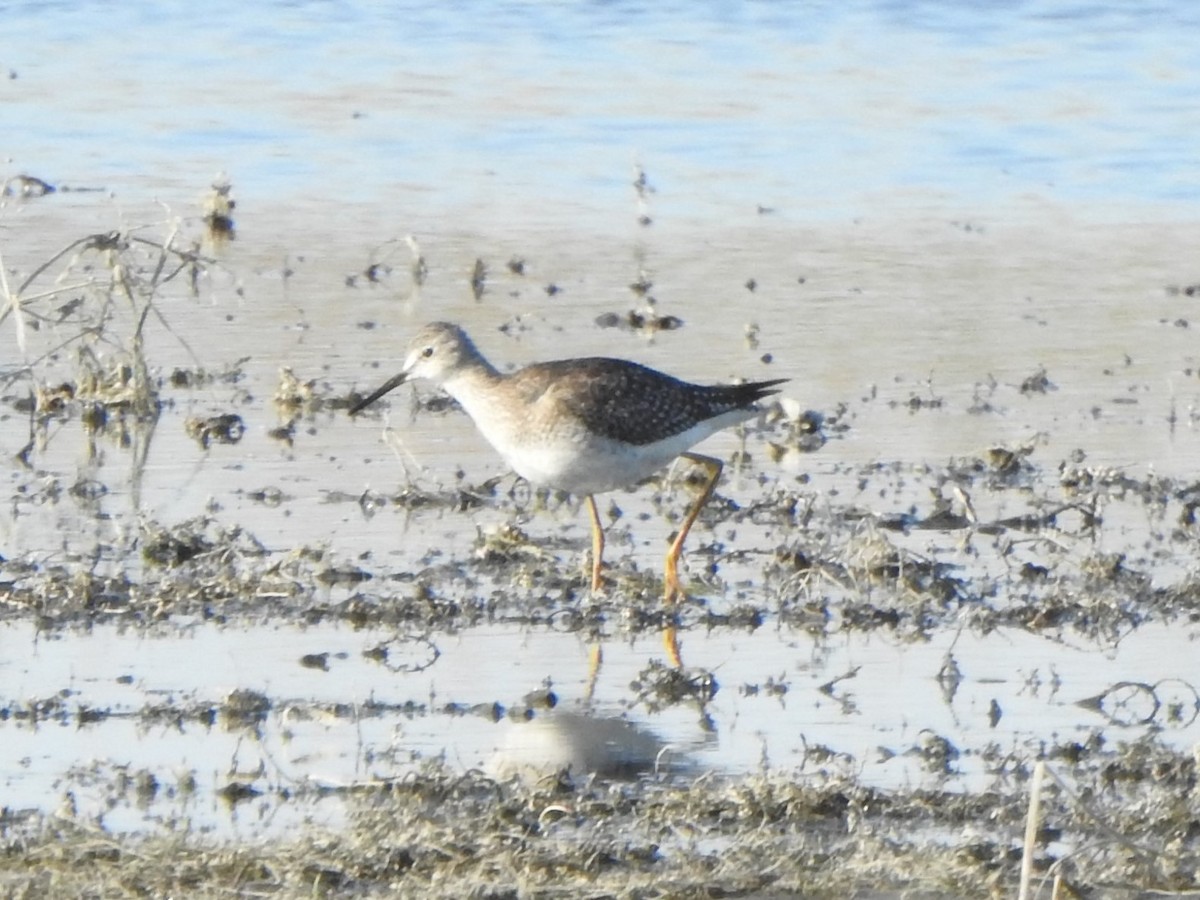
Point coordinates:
[(910, 209)]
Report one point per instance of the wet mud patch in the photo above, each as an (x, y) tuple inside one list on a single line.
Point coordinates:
[(1115, 817), (878, 648), (445, 833)]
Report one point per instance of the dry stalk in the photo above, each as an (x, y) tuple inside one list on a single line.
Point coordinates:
[(1031, 827)]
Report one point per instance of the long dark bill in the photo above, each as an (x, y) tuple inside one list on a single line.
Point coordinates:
[(392, 382)]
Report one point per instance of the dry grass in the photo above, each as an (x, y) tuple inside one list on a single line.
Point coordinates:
[(440, 833)]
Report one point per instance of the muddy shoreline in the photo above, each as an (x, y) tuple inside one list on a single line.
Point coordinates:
[(1125, 819), (1117, 819), (350, 575)]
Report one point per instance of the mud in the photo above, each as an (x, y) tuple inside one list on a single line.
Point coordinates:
[(1127, 819), (1028, 537)]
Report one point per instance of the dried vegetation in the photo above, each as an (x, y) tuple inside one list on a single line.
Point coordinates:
[(1117, 820)]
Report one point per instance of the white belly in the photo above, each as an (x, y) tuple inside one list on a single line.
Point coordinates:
[(594, 465)]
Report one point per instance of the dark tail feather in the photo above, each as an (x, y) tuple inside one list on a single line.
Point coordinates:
[(753, 391)]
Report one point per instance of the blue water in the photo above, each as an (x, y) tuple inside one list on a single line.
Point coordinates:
[(819, 111)]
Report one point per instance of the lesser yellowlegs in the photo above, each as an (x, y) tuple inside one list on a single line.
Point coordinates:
[(584, 426)]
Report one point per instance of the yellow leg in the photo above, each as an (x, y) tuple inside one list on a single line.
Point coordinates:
[(595, 659), (595, 653), (671, 645), (597, 542), (673, 589)]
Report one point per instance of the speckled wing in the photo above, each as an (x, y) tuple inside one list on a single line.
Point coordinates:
[(631, 403)]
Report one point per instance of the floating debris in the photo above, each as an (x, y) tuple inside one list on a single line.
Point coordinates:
[(295, 397), (646, 322), (1037, 383), (227, 428), (27, 187), (478, 279), (315, 661), (217, 210)]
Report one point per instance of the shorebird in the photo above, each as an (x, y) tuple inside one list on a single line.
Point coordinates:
[(584, 426)]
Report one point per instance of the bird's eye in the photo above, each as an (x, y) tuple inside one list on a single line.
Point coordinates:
[(427, 352)]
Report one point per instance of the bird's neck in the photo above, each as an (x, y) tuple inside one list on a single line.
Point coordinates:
[(471, 383), (482, 392)]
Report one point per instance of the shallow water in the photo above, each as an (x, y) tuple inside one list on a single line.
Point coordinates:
[(359, 720), (516, 114), (934, 204)]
